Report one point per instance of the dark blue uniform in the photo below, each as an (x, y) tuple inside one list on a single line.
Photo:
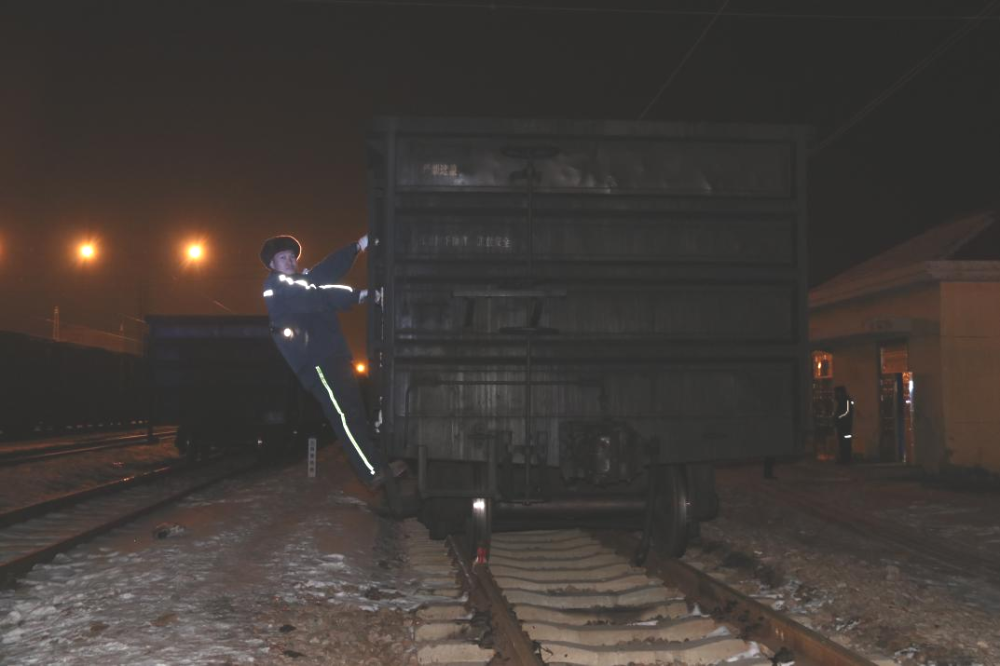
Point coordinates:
[(844, 424), (304, 323)]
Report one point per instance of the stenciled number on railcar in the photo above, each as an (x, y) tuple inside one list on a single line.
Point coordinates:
[(480, 242), (440, 169)]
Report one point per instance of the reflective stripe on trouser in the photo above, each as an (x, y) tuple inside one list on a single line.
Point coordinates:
[(333, 383)]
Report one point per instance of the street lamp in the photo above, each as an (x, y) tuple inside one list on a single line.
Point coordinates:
[(87, 251), (195, 251)]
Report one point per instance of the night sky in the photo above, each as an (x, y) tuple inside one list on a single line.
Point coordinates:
[(143, 124)]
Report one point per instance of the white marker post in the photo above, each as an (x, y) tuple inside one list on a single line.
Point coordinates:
[(312, 458)]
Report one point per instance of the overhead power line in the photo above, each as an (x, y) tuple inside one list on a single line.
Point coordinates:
[(565, 9), (907, 76), (680, 65)]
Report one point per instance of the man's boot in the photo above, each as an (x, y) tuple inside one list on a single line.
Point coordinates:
[(392, 494)]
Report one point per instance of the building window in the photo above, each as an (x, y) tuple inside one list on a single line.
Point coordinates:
[(822, 365)]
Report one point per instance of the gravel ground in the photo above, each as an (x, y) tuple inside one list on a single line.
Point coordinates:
[(274, 568), (860, 592), (269, 568)]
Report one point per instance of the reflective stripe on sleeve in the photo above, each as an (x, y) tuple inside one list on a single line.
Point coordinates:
[(309, 285), (301, 283), (269, 293), (847, 409)]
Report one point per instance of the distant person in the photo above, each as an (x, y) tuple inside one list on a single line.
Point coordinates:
[(303, 307), (844, 424)]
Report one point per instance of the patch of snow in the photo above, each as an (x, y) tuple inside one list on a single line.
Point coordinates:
[(846, 625), (196, 600), (753, 650)]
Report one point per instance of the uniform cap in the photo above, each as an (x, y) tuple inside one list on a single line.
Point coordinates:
[(273, 246)]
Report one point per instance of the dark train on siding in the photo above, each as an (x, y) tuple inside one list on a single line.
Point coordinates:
[(49, 387), (223, 383), (581, 318)]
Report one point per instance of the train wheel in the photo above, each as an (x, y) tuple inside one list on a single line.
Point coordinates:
[(479, 529), (669, 509)]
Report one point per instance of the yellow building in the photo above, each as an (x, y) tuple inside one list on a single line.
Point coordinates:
[(914, 336)]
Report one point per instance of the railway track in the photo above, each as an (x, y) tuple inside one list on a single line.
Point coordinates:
[(38, 452), (35, 534), (573, 597), (958, 558)]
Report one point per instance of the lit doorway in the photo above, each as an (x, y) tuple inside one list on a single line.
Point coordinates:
[(895, 403), (823, 403)]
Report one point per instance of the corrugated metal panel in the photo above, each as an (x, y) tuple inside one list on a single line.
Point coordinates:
[(643, 271)]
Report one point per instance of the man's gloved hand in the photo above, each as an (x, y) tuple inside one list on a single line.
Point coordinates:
[(364, 293), (363, 243)]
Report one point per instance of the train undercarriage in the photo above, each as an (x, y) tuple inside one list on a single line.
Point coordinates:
[(602, 482)]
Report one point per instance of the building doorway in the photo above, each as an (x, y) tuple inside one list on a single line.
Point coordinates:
[(824, 438), (895, 403)]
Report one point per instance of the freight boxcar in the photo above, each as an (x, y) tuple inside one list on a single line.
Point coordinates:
[(580, 318), (49, 387), (222, 381)]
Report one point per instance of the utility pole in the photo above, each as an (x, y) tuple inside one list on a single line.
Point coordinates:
[(55, 324)]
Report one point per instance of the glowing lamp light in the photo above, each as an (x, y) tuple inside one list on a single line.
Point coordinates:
[(87, 251), (360, 368), (287, 333), (195, 251)]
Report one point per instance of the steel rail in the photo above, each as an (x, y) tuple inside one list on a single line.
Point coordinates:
[(21, 514), (34, 454), (763, 624), (77, 439), (71, 434), (485, 595), (12, 569)]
